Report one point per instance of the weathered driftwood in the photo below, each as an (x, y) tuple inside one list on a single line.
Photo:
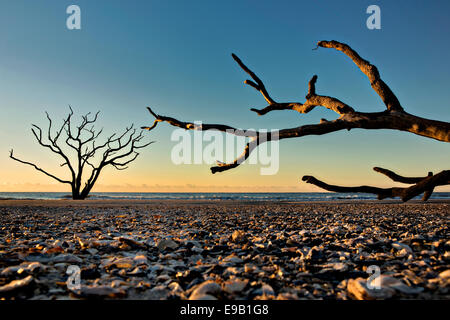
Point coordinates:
[(420, 185), (393, 117), (117, 151)]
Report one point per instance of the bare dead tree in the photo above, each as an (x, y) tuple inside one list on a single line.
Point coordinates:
[(393, 117), (87, 158)]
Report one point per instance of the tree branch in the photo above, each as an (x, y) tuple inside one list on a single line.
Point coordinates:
[(398, 178), (394, 118), (348, 121), (11, 155), (312, 99), (53, 146), (371, 71), (259, 85), (425, 185)]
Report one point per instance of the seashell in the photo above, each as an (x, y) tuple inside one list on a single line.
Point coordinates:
[(233, 259), (208, 288), (402, 246), (99, 292), (132, 243), (238, 236), (382, 287), (166, 244), (234, 285), (16, 285), (66, 258)]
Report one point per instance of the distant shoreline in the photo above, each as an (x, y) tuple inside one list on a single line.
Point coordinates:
[(258, 197), (174, 203)]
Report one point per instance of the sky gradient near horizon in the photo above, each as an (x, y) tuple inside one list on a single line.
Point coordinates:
[(175, 57)]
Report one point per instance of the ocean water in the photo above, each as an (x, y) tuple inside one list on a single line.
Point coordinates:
[(297, 196)]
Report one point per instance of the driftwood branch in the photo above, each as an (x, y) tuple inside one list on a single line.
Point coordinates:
[(398, 178), (371, 71), (255, 137), (391, 117), (420, 185)]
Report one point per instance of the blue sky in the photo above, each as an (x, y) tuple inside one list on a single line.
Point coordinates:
[(175, 57)]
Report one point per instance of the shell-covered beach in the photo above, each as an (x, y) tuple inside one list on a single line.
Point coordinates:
[(224, 250)]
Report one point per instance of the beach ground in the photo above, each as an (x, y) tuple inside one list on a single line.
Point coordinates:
[(224, 250)]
